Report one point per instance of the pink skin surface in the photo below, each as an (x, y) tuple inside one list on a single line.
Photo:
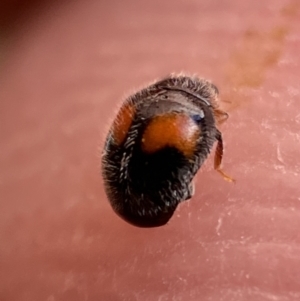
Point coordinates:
[(64, 70)]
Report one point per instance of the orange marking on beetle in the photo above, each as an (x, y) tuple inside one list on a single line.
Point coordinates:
[(173, 130), (122, 123)]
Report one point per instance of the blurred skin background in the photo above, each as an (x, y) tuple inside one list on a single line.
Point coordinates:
[(64, 69)]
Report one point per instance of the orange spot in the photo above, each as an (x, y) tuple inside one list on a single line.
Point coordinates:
[(173, 130), (122, 122)]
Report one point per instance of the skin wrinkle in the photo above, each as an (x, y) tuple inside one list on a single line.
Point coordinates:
[(254, 291), (254, 245)]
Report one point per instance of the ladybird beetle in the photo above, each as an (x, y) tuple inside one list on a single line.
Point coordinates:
[(159, 139)]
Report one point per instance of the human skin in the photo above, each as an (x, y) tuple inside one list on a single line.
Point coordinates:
[(64, 72)]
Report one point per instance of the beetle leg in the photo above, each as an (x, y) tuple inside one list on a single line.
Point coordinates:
[(191, 191), (220, 116), (218, 158)]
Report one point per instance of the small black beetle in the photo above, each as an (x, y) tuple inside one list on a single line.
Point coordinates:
[(158, 141)]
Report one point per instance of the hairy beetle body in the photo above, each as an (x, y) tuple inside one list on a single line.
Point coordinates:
[(157, 143)]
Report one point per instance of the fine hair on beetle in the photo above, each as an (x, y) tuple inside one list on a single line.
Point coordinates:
[(159, 139)]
